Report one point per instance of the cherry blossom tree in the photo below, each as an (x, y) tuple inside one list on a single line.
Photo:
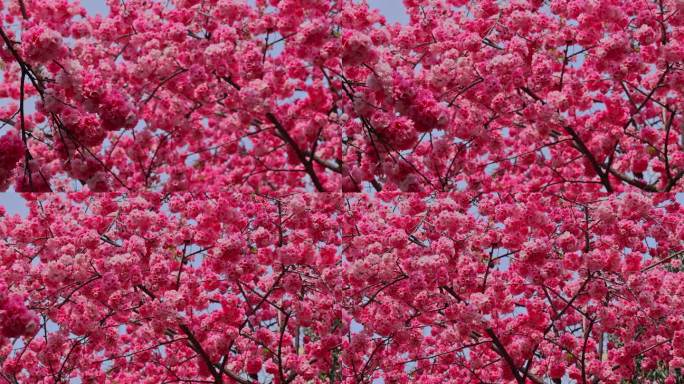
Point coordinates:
[(343, 288), (522, 288), (326, 95), (549, 94), (297, 191), (163, 289)]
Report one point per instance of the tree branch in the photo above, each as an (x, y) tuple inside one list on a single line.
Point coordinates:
[(285, 136)]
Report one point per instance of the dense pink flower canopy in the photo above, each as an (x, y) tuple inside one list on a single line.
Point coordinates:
[(297, 95), (342, 288), (298, 191)]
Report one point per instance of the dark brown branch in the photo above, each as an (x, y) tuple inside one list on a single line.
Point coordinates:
[(662, 261), (579, 145), (565, 64), (162, 82), (22, 7), (634, 182), (203, 354), (584, 350), (283, 328), (501, 350), (24, 65), (453, 293), (22, 123), (285, 136), (195, 344)]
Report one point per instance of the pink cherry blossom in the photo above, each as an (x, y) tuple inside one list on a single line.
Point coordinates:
[(11, 151), (17, 320)]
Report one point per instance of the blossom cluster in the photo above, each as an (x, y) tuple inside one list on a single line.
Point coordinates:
[(15, 319), (11, 151)]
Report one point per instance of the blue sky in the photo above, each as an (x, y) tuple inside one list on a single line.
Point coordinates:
[(392, 9)]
